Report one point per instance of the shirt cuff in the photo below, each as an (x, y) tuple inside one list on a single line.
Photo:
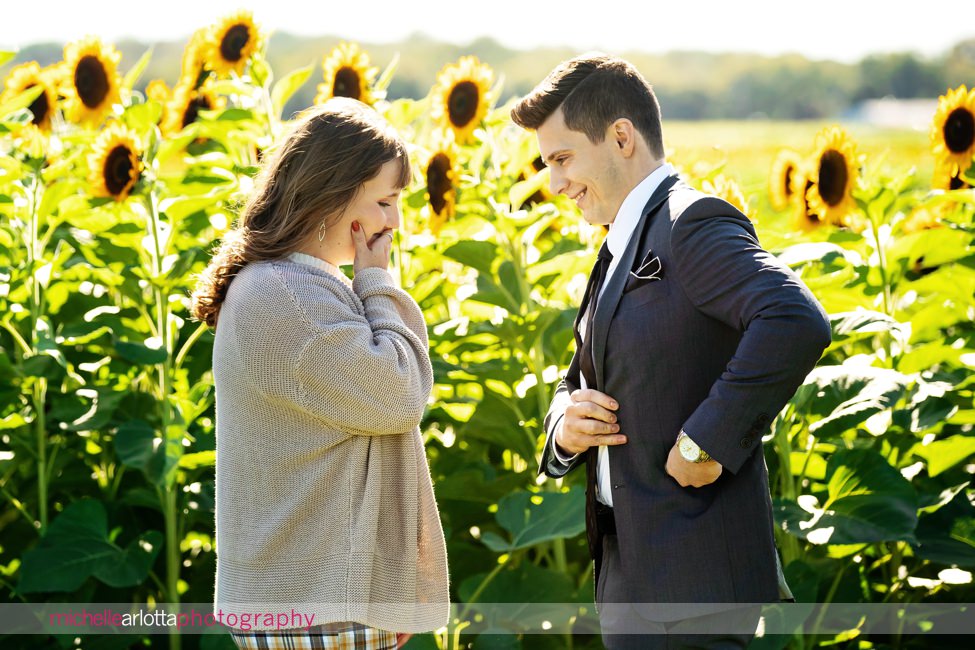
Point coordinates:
[(560, 455)]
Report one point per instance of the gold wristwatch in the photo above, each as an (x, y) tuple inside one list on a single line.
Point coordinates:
[(689, 449)]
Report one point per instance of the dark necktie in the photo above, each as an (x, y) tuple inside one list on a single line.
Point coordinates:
[(596, 280), (591, 299)]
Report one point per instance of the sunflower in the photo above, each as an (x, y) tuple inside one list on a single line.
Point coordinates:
[(727, 189), (92, 86), (781, 189), (953, 131), (30, 75), (805, 219), (460, 98), (440, 173), (544, 193), (158, 91), (115, 163), (944, 179), (231, 43), (193, 67), (833, 175), (185, 105), (347, 74)]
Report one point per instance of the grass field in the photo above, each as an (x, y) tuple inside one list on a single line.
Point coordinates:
[(747, 149)]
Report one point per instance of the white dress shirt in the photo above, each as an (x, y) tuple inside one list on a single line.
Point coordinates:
[(619, 236)]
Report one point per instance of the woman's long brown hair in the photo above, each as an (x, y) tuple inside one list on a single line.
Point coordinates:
[(312, 177)]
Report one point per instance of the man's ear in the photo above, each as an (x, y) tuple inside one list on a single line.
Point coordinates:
[(624, 133)]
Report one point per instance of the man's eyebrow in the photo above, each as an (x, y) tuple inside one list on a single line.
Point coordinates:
[(555, 154)]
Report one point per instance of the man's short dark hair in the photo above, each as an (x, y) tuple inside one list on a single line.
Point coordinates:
[(594, 90)]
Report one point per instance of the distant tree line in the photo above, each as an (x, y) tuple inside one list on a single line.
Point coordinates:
[(690, 85)]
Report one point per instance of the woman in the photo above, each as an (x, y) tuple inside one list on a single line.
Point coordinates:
[(325, 507)]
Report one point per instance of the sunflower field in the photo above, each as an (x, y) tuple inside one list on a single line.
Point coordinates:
[(112, 199)]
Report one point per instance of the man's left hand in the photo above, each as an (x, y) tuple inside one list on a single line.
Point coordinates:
[(689, 474)]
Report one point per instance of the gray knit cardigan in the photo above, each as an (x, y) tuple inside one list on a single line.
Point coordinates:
[(325, 504)]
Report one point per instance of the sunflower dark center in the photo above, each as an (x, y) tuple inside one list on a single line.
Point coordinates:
[(91, 81), (789, 171), (833, 177), (193, 108), (118, 169), (39, 107), (347, 83), (438, 182), (538, 164), (959, 130), (462, 103), (233, 43)]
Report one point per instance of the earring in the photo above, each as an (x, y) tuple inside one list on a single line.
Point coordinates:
[(321, 231)]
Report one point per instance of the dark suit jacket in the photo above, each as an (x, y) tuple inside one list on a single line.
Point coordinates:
[(716, 346)]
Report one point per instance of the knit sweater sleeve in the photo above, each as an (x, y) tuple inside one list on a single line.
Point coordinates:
[(364, 375)]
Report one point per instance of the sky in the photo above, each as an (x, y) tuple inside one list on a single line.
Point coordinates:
[(841, 30)]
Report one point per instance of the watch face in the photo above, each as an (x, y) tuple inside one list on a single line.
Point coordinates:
[(688, 449)]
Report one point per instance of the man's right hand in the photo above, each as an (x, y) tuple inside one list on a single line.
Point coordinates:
[(589, 422)]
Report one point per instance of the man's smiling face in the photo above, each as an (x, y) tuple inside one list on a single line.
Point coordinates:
[(588, 173)]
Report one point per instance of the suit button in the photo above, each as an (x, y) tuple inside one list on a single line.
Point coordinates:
[(762, 419), (746, 442)]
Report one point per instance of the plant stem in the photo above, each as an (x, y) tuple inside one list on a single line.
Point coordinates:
[(168, 493), (40, 383)]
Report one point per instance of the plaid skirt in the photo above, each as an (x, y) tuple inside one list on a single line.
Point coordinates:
[(330, 636)]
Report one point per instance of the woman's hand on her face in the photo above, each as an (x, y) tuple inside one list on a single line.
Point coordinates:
[(367, 256)]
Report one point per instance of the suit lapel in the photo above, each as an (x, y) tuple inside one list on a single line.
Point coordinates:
[(614, 290)]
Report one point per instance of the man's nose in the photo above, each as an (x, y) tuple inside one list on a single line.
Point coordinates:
[(556, 181)]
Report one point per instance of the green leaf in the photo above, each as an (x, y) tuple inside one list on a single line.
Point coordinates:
[(198, 459), (867, 501), (20, 100), (479, 255), (139, 353), (944, 454), (848, 394), (135, 443), (535, 518), (73, 548), (286, 87), (6, 55), (130, 566), (64, 568), (862, 323), (132, 76)]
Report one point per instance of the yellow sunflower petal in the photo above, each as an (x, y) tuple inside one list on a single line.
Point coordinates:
[(833, 173), (729, 190), (231, 43), (115, 163), (460, 98), (347, 73), (953, 130), (31, 75), (944, 179), (781, 190), (93, 82), (804, 218), (194, 68)]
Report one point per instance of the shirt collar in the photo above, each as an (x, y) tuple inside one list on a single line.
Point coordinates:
[(630, 211)]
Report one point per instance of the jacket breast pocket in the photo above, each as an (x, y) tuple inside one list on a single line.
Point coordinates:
[(645, 294)]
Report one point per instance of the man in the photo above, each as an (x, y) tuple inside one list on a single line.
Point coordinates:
[(689, 340)]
